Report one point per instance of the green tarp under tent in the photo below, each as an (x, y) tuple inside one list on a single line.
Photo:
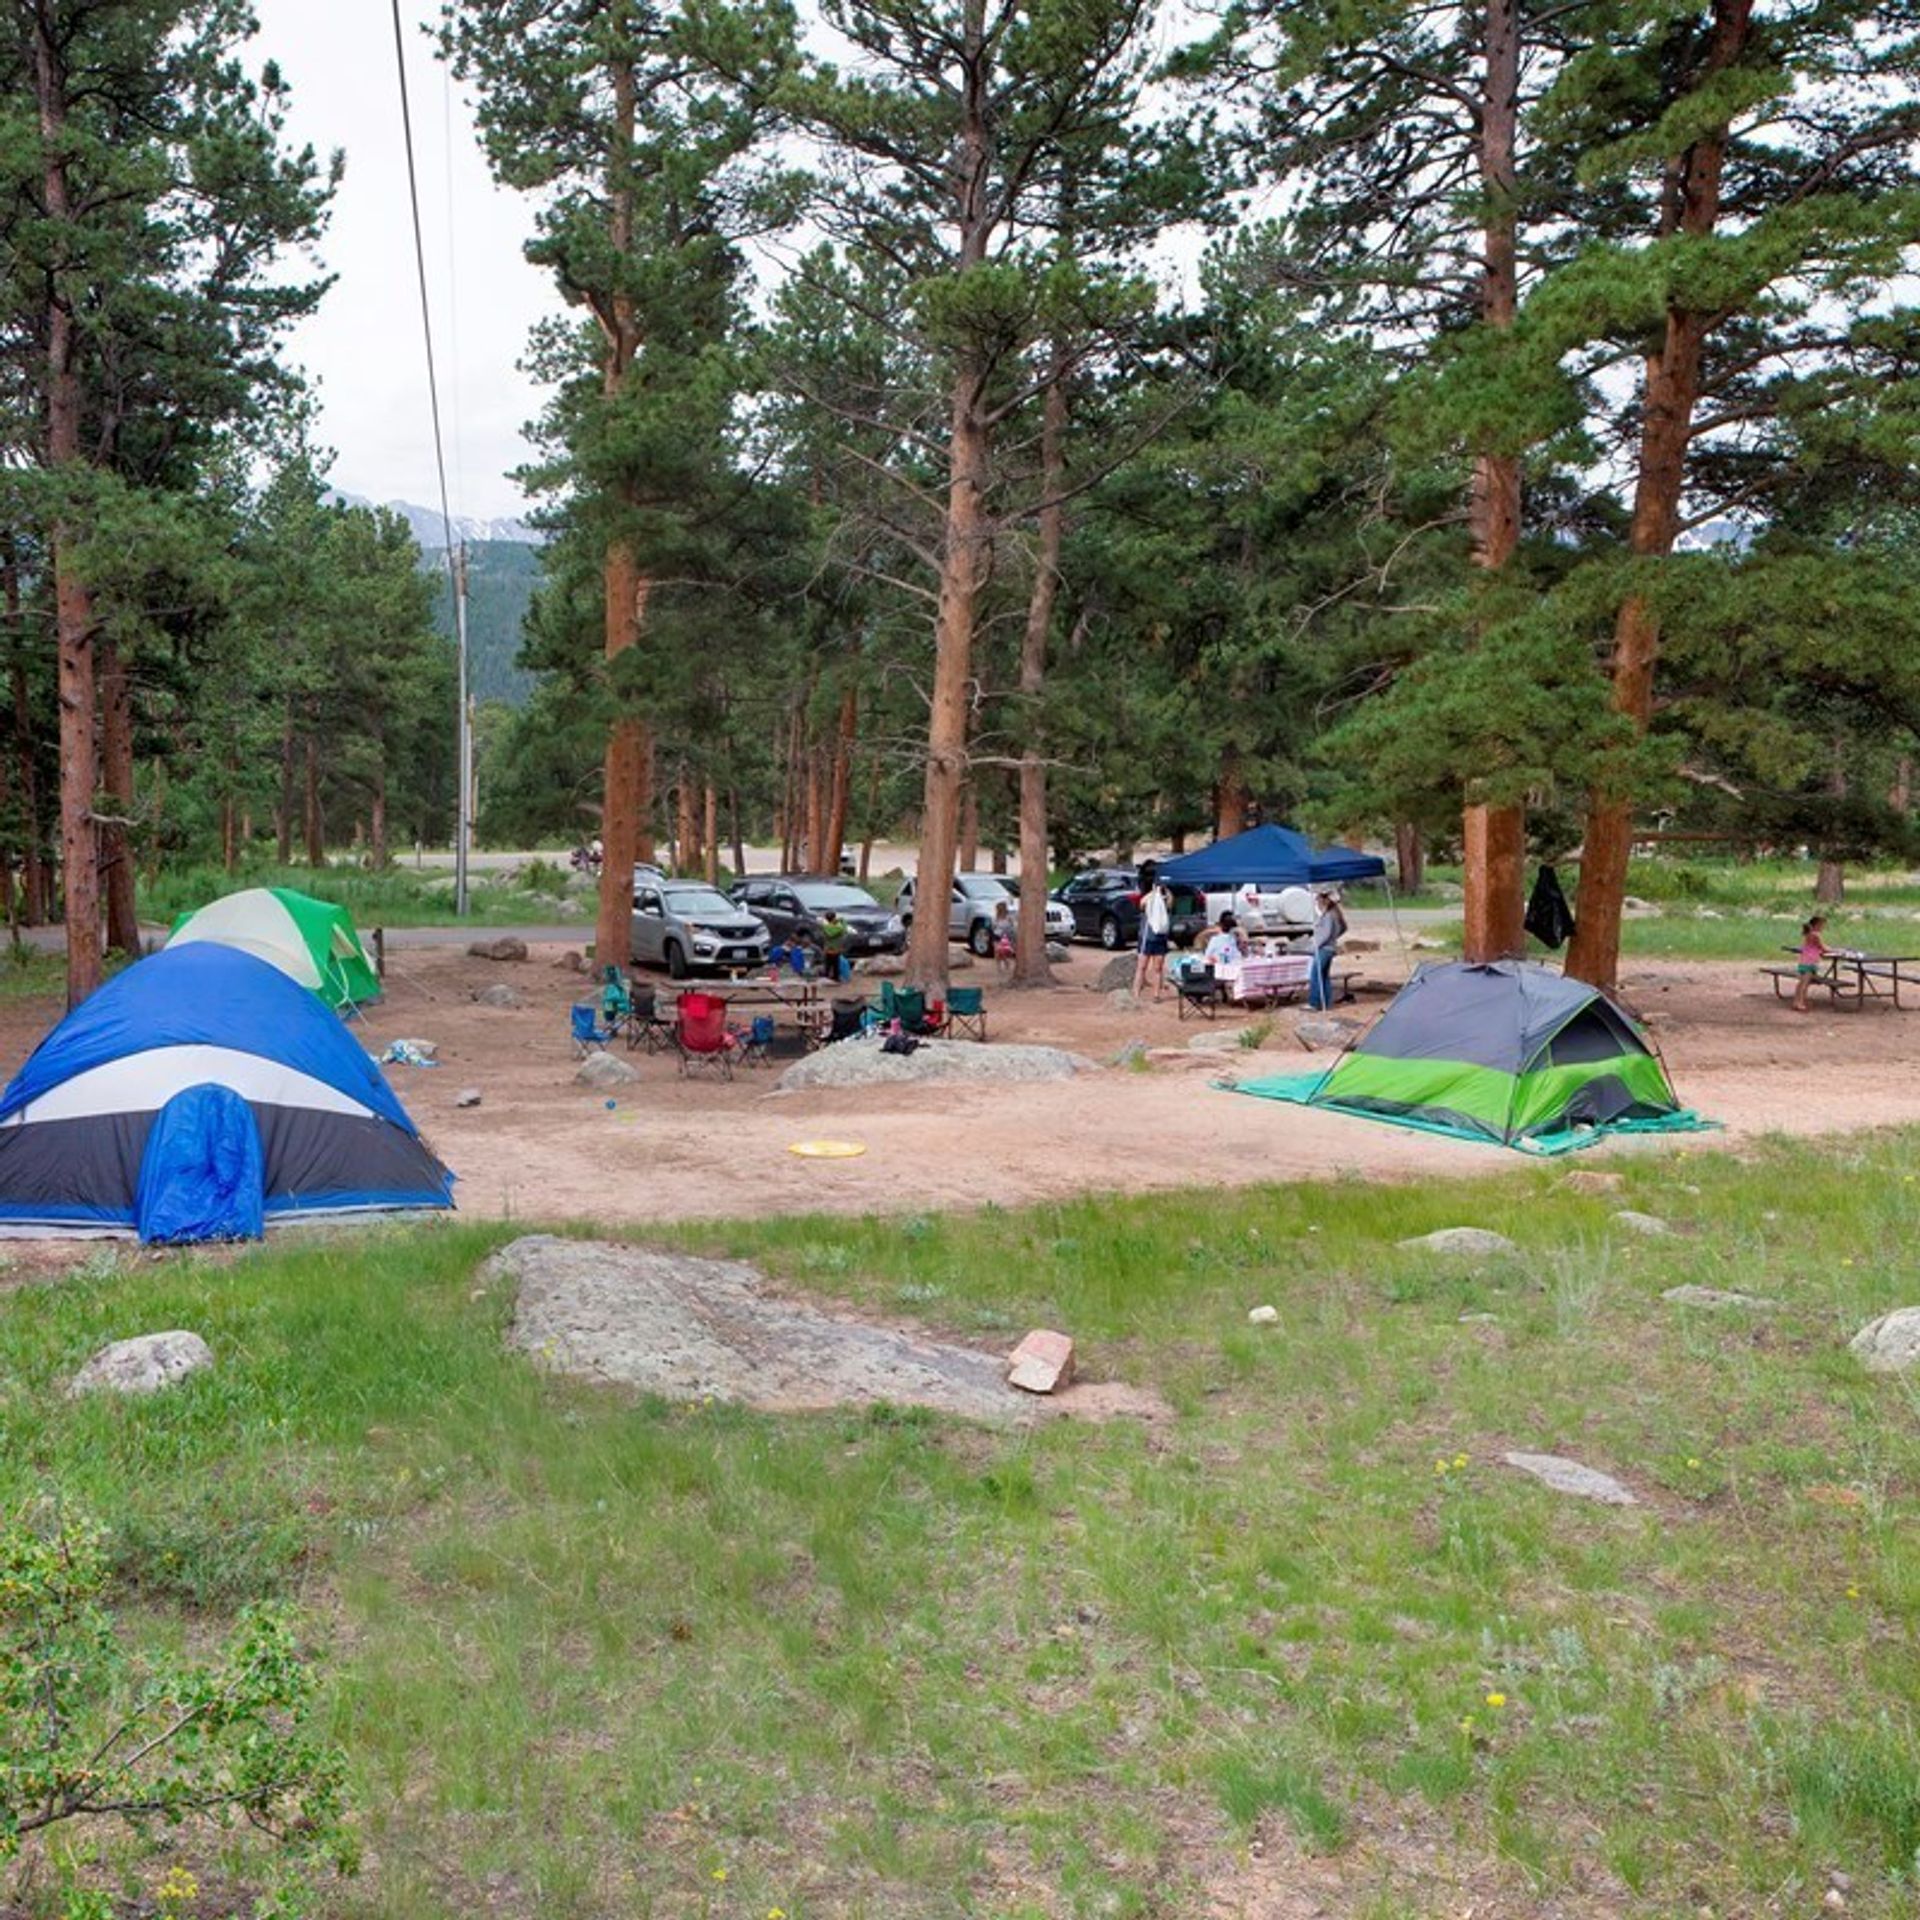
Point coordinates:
[(311, 941), (1510, 1053)]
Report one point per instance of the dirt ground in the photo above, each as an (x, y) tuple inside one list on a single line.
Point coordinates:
[(540, 1148)]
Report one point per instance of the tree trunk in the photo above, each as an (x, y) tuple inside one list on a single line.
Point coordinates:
[(841, 797), (229, 850), (1495, 837), (733, 833), (1030, 968), (710, 841), (628, 777), (116, 779), (33, 870), (873, 815), (968, 855), (966, 546), (1830, 883), (1900, 794), (315, 819), (1410, 856), (72, 599), (377, 811), (1691, 205), (689, 857), (1230, 798), (283, 818)]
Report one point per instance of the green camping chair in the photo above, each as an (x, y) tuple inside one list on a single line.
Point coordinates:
[(967, 1012)]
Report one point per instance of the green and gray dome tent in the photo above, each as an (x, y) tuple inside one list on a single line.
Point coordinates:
[(1511, 1053), (311, 941)]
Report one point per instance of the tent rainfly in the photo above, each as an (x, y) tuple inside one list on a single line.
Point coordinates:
[(1270, 857), (196, 1096), (311, 941), (1511, 1053)]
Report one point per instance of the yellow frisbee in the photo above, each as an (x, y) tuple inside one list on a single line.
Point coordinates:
[(828, 1149)]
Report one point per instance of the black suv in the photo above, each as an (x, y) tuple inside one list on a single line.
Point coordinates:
[(793, 906), (1105, 904)]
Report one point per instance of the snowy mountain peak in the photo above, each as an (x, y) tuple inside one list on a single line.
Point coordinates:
[(430, 530)]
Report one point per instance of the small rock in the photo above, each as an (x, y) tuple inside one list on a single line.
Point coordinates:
[(605, 1070), (507, 947), (1263, 1316), (1351, 945), (1464, 1240), (1318, 1033), (1118, 972), (1479, 1320), (1042, 1362), (1647, 1223), (572, 961), (144, 1364), (1844, 1881), (1587, 1180), (1833, 1900), (960, 961), (467, 1097), (1219, 1040), (1890, 1344), (1717, 1297), (426, 1049), (1569, 1476), (1123, 1000), (501, 995), (1057, 955), (884, 966)]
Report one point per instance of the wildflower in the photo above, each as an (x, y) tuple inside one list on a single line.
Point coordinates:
[(1853, 1593), (1692, 1462), (1439, 1466), (1496, 1700), (720, 1873), (1459, 1459), (776, 1913), (1467, 1725)]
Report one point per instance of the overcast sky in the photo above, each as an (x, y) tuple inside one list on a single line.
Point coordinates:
[(363, 349)]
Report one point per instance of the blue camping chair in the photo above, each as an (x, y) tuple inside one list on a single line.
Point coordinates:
[(756, 1041), (588, 1034)]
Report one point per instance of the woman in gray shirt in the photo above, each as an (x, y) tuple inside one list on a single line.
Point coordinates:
[(1328, 929)]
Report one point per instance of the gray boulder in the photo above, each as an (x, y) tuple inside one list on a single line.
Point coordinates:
[(501, 995), (1219, 1040), (1646, 1223), (605, 1070), (1717, 1297), (884, 966), (1057, 955), (1317, 1031), (1117, 973), (1123, 1000), (143, 1365), (1569, 1476), (1474, 1242), (1890, 1344), (467, 1097), (504, 948)]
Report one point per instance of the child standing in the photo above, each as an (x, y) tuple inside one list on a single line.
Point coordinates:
[(1813, 956), (1003, 950)]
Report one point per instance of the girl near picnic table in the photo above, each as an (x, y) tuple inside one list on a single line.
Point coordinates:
[(1813, 956)]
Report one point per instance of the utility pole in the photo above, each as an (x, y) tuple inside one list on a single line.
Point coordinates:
[(463, 824)]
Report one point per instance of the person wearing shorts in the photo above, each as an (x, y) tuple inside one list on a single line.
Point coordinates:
[(1813, 956), (1156, 936)]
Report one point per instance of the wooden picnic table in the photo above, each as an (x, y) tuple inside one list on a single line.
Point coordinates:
[(1852, 976), (805, 997)]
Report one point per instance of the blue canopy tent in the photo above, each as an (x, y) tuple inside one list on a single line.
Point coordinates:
[(197, 1096), (1270, 857)]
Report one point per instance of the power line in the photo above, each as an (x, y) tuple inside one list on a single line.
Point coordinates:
[(456, 563)]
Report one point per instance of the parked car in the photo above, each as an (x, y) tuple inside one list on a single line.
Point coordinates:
[(1104, 905), (684, 925), (971, 913), (792, 907)]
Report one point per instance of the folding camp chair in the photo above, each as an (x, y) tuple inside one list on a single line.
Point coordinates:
[(589, 1036), (967, 1012), (910, 1009), (887, 1009), (700, 1034), (755, 1041), (1198, 990), (645, 1027), (616, 1002), (849, 1017)]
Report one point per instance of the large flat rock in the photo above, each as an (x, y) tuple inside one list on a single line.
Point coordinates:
[(861, 1063), (692, 1329)]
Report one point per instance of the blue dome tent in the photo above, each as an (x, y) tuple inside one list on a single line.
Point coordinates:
[(197, 1096), (1270, 857)]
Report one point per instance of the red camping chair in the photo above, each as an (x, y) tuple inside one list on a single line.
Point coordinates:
[(700, 1033)]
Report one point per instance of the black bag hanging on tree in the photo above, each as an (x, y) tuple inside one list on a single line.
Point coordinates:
[(1549, 918)]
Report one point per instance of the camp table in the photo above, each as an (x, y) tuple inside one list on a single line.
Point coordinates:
[(803, 998), (1853, 976), (1268, 976)]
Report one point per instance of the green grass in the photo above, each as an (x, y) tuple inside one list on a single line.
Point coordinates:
[(590, 1653), (400, 896)]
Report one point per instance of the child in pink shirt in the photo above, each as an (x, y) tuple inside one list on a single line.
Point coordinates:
[(1813, 956)]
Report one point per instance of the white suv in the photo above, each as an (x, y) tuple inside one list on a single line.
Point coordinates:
[(976, 896)]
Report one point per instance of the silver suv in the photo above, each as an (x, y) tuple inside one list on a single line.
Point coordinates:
[(684, 925), (972, 913)]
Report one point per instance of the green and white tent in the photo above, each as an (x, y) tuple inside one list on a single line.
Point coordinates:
[(1511, 1053), (311, 941)]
